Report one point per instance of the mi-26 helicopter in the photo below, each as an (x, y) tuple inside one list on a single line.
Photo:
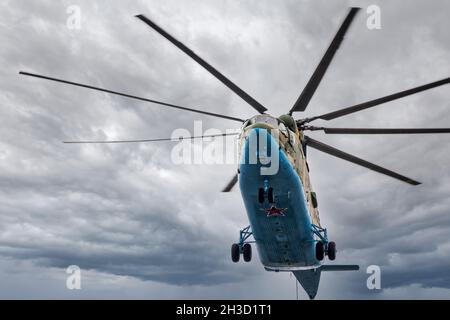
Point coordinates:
[(281, 206)]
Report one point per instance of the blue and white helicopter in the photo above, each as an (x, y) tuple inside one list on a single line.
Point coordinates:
[(281, 204)]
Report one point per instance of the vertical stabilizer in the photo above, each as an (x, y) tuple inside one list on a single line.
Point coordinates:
[(309, 280)]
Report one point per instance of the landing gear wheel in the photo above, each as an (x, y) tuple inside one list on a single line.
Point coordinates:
[(261, 195), (331, 250), (319, 250), (270, 195), (247, 252), (235, 254)]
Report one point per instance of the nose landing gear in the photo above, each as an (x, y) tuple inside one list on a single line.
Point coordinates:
[(264, 192)]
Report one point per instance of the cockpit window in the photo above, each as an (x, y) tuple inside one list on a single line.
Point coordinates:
[(265, 119), (283, 129), (246, 123)]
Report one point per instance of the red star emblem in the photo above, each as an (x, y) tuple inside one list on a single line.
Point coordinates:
[(274, 211)]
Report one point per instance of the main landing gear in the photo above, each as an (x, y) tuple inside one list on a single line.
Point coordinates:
[(243, 247), (323, 246)]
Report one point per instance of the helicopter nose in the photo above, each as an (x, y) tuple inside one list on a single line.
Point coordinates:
[(258, 147)]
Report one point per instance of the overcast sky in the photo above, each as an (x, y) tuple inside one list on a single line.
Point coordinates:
[(140, 226)]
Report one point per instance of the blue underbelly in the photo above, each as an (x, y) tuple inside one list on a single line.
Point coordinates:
[(284, 239)]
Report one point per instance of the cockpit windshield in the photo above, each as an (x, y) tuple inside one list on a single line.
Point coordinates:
[(265, 119)]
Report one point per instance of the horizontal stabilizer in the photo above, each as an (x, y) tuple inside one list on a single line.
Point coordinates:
[(340, 267)]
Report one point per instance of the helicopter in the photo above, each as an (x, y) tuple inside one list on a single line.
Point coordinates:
[(281, 204)]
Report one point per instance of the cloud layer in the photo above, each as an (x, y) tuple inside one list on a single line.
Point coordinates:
[(134, 220)]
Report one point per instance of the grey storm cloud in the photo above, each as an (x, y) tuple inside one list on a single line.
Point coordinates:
[(137, 223)]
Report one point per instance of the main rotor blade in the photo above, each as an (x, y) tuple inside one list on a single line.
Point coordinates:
[(153, 140), (130, 96), (373, 103), (241, 93), (311, 87), (379, 130), (345, 156), (231, 184)]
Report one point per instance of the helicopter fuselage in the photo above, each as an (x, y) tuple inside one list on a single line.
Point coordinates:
[(275, 188)]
